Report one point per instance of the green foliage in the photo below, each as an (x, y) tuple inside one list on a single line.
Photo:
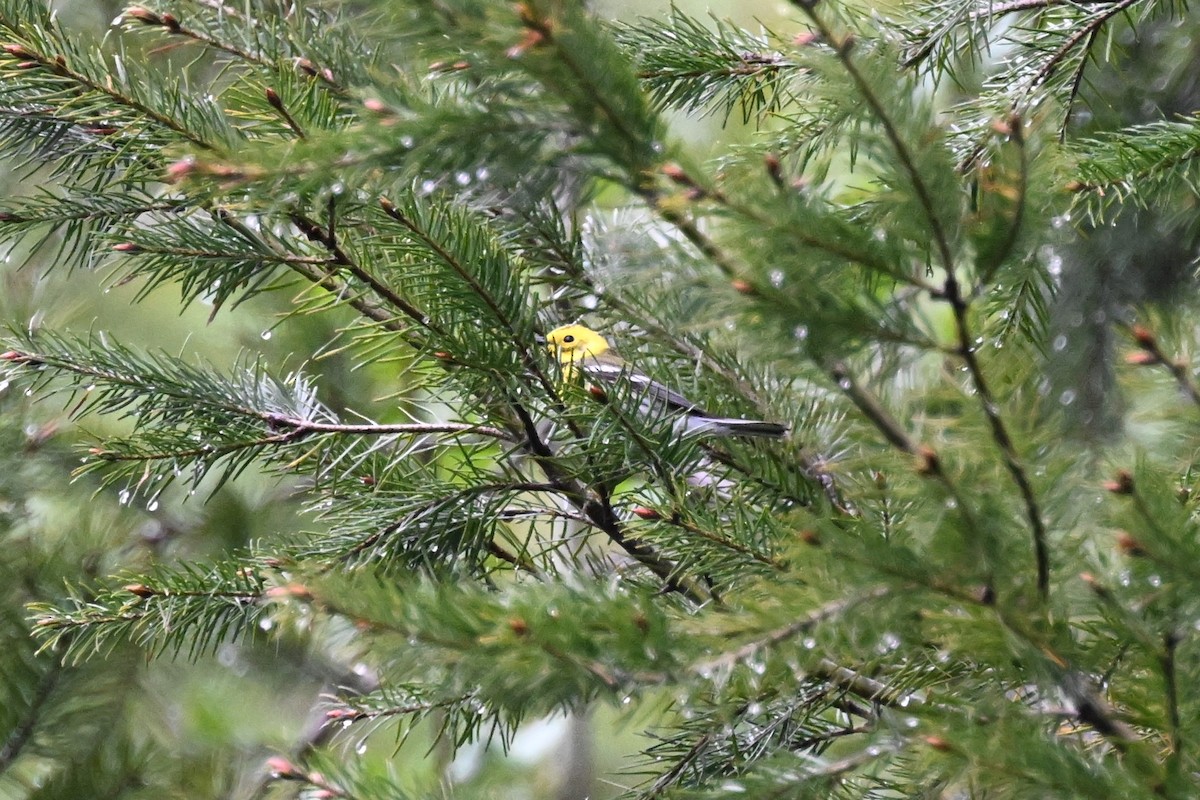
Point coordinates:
[(921, 589)]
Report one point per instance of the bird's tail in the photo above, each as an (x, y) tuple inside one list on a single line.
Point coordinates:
[(727, 426)]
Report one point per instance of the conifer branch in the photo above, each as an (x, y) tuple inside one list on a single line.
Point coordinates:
[(1169, 667), (1014, 129), (1000, 435), (276, 102), (952, 293), (782, 634), (598, 511), (22, 733), (326, 237), (365, 708), (929, 464), (842, 48), (839, 246), (172, 25), (57, 65), (544, 33), (1086, 32), (296, 430), (872, 409), (191, 608), (691, 65), (517, 339), (283, 769), (1151, 354), (676, 519)]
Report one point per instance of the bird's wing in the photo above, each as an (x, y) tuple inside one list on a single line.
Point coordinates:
[(605, 371)]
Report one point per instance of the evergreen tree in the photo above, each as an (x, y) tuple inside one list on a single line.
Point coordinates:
[(925, 590)]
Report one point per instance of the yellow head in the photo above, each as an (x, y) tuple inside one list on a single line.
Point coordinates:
[(573, 343)]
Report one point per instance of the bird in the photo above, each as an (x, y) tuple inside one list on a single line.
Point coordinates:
[(582, 351)]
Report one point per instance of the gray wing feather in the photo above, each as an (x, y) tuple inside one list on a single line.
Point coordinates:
[(693, 419), (655, 392)]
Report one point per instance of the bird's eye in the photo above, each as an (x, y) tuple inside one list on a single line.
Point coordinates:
[(568, 339)]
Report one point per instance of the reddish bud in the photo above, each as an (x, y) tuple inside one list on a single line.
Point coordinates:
[(168, 19), (928, 462), (143, 15), (40, 436), (1121, 483), (810, 537), (530, 40), (20, 51), (938, 743), (442, 66), (676, 173), (127, 247), (273, 99), (518, 626), (306, 66), (280, 767), (805, 38), (774, 169), (1144, 337), (1094, 584), (742, 287), (1129, 545), (597, 392), (139, 589), (181, 169), (443, 355), (368, 480), (646, 513), (1142, 358), (297, 590), (376, 106)]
